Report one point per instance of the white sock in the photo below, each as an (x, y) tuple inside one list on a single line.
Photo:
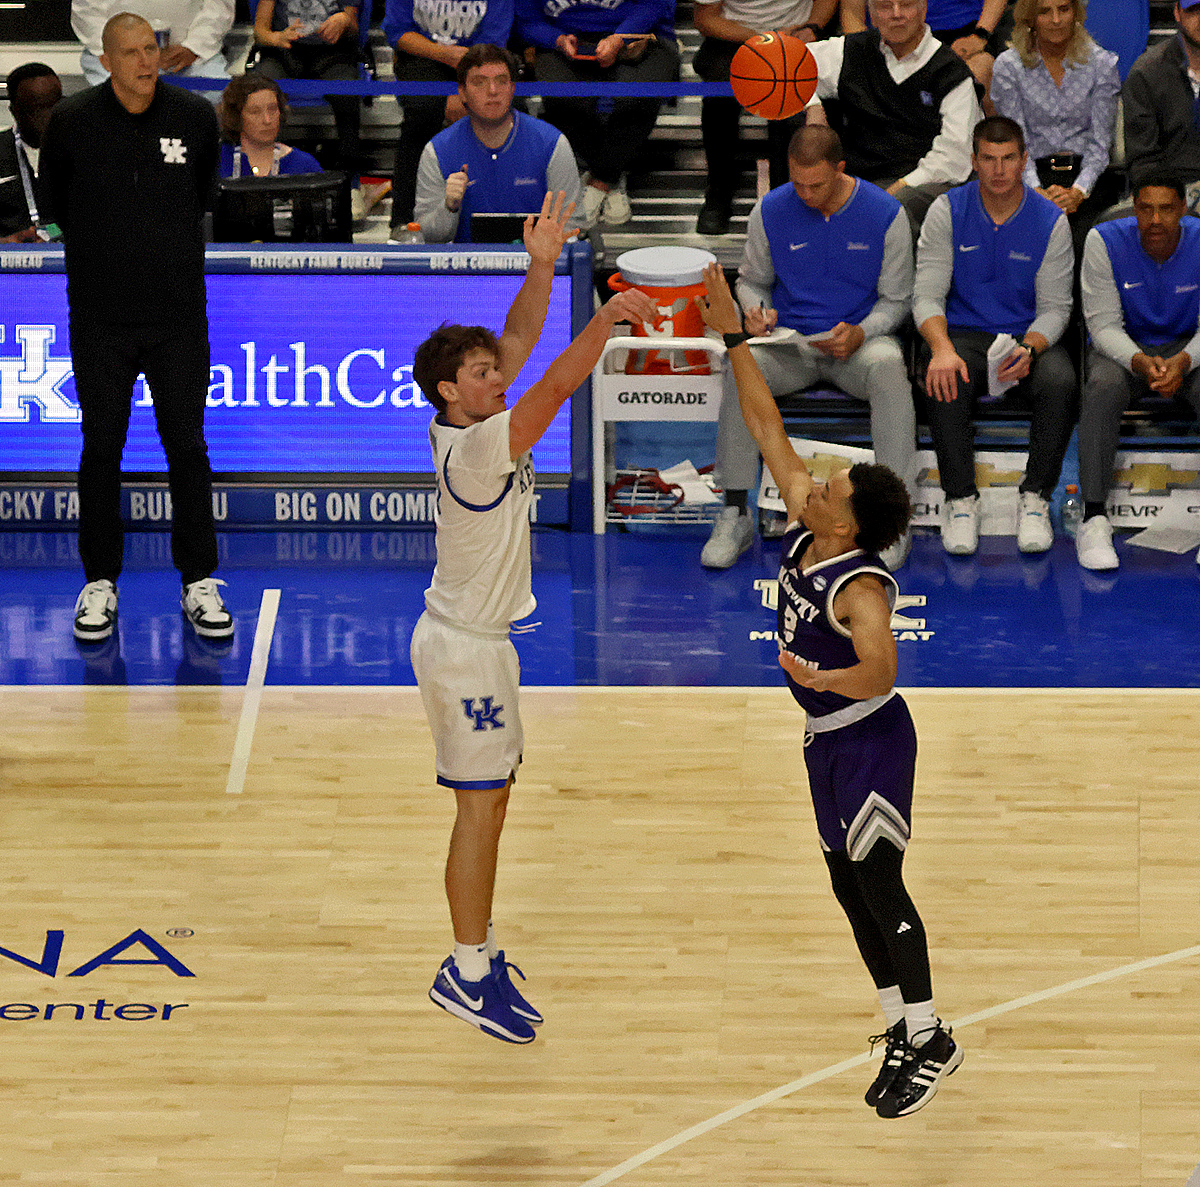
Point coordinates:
[(472, 961), (892, 1002), (920, 1021), (492, 948)]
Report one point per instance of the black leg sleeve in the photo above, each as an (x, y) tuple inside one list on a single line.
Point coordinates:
[(872, 945), (881, 885)]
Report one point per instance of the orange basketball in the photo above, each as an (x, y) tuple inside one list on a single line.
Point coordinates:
[(773, 75)]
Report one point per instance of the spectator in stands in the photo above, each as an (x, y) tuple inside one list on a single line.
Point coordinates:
[(316, 39), (33, 91), (429, 38), (1061, 88), (1141, 301), (620, 41), (496, 161), (251, 113), (905, 105), (1160, 98), (976, 30), (828, 257), (995, 258), (190, 32), (725, 24)]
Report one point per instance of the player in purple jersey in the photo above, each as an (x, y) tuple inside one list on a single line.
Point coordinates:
[(860, 747)]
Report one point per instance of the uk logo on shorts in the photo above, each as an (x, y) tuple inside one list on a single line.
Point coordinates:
[(174, 151), (486, 716)]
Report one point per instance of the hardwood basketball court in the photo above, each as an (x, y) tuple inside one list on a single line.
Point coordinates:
[(661, 887)]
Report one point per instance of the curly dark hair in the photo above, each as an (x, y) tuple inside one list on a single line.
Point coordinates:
[(441, 354), (233, 99), (880, 504)]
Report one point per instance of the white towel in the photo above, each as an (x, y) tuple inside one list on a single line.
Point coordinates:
[(999, 350)]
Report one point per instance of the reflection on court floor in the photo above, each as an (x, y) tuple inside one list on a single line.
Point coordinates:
[(619, 610)]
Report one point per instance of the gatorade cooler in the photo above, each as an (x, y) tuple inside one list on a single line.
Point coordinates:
[(671, 277)]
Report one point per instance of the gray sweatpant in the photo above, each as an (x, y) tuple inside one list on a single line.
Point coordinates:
[(875, 373), (1106, 394)]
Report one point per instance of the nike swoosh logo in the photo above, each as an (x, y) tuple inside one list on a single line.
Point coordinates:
[(470, 1002), (795, 246), (1133, 284), (10, 177), (964, 247)]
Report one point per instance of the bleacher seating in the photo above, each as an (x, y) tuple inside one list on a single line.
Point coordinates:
[(666, 189)]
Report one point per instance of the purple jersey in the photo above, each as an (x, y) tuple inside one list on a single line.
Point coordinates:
[(809, 630)]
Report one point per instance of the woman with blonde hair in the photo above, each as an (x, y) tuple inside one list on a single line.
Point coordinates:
[(1061, 88)]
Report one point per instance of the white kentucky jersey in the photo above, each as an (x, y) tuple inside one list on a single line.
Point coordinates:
[(481, 581)]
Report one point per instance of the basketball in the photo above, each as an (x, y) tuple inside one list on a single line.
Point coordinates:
[(773, 75)]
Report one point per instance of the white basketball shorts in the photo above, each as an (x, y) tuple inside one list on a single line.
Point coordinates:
[(469, 686)]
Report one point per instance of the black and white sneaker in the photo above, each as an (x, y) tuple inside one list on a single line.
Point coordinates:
[(924, 1069), (95, 611), (203, 608), (894, 1057)]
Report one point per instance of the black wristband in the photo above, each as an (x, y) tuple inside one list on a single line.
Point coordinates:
[(732, 340), (814, 28), (980, 31)]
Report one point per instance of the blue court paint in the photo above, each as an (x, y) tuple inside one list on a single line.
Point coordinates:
[(623, 609)]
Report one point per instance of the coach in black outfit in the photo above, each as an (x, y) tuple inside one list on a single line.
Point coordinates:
[(129, 167)]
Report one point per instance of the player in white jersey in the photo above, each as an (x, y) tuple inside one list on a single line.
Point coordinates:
[(465, 664)]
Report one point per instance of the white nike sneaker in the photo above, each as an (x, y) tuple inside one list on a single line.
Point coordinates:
[(1035, 532), (1093, 544), (95, 611), (896, 554), (593, 199), (732, 534), (616, 210), (204, 609), (960, 525)]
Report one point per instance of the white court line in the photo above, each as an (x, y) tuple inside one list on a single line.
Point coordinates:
[(263, 635), (664, 1147)]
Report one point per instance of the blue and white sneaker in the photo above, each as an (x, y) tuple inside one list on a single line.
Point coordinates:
[(481, 1003), (517, 1003)]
